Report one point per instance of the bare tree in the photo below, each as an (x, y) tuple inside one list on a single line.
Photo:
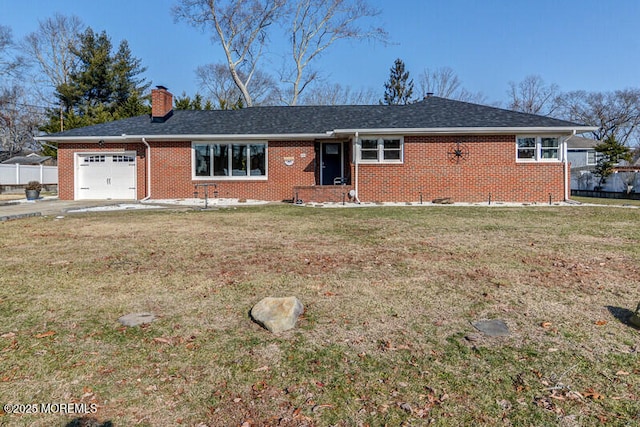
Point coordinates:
[(467, 96), (19, 120), (442, 82), (218, 85), (532, 95), (50, 49), (240, 26), (315, 26), (17, 123), (10, 62), (615, 113), (336, 94), (445, 83)]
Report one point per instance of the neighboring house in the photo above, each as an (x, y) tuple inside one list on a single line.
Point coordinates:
[(431, 149), (583, 159), (30, 159)]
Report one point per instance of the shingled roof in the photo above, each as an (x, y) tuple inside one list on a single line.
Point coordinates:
[(433, 113)]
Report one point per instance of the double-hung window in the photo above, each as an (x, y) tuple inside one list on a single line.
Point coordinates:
[(593, 157), (232, 160), (535, 148), (381, 150)]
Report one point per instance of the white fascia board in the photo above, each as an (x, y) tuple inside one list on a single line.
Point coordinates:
[(190, 138), (331, 134), (467, 131)]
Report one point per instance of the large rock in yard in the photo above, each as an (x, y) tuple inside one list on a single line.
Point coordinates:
[(635, 318), (277, 314)]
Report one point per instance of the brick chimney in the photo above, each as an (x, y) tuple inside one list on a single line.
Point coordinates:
[(161, 104)]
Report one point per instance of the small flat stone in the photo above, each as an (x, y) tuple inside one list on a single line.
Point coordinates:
[(136, 319), (472, 337), (443, 201), (492, 328)]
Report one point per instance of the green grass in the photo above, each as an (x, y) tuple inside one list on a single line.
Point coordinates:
[(386, 338)]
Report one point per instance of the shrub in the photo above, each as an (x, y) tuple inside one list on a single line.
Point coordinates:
[(33, 185)]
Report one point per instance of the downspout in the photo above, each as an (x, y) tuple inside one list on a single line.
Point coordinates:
[(148, 155), (355, 161), (565, 164)]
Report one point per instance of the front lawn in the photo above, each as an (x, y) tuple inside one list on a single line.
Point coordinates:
[(386, 338)]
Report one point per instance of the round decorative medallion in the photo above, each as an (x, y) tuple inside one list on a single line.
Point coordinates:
[(458, 152)]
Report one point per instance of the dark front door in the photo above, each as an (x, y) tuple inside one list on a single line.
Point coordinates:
[(331, 162)]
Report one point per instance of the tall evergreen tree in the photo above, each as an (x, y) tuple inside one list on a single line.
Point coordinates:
[(104, 86), (127, 86), (398, 90)]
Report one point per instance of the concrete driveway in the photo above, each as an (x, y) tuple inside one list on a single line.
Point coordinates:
[(48, 206)]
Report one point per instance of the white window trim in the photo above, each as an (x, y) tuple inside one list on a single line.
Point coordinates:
[(538, 149), (264, 177), (380, 159)]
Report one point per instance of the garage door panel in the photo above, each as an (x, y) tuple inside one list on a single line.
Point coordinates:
[(106, 176), (123, 176)]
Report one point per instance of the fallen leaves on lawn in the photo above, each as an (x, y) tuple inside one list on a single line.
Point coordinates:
[(45, 334), (12, 346), (591, 393), (546, 403), (600, 322)]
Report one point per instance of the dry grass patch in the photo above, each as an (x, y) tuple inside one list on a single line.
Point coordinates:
[(386, 337)]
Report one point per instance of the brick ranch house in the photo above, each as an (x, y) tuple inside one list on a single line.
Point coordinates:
[(434, 148)]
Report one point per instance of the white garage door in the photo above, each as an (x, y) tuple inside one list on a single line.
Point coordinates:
[(106, 176)]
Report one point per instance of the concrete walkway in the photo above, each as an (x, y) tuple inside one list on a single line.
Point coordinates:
[(48, 206)]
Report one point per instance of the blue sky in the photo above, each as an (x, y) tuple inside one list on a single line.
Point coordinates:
[(577, 44)]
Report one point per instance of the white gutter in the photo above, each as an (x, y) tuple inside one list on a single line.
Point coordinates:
[(469, 130), (191, 138), (148, 155)]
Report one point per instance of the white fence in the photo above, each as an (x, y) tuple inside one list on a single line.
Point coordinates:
[(22, 174)]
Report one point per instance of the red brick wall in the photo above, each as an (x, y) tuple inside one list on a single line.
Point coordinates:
[(171, 172), (66, 171), (490, 169)]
